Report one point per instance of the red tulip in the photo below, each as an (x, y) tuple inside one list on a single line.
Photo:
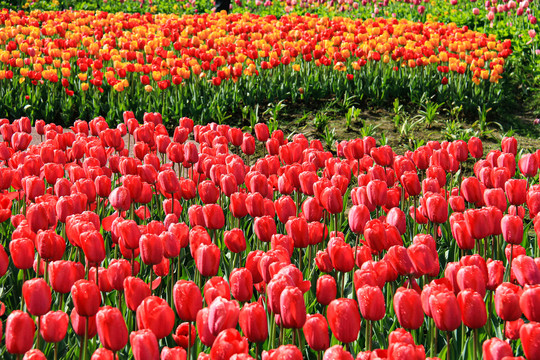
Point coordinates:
[(53, 326), (144, 345), (151, 249), (168, 181), (326, 289), (496, 349), (475, 147), (375, 235), (530, 340), (292, 308), (264, 228), (344, 319), (222, 314), (341, 255), (253, 323), (120, 198), (228, 343), (495, 270), (316, 332), (63, 274), (136, 290), (437, 209), (371, 301), (86, 297), (445, 310), (20, 329), (530, 302), (181, 335), (34, 354), (297, 228), (241, 282), (358, 217), (215, 287), (408, 308), (512, 229), (111, 328), (22, 253), (289, 352), (411, 183), (516, 191), (176, 353), (337, 352), (525, 270), (473, 308), (203, 330), (507, 298), (207, 259), (332, 200), (155, 314), (471, 277), (213, 216), (377, 192), (37, 296)]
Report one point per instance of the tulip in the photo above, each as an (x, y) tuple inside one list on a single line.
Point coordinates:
[(326, 290), (290, 352), (512, 229), (528, 165), (285, 208), (63, 274), (344, 319), (252, 319), (525, 270), (213, 216), (495, 349), (264, 228), (136, 290), (184, 335), (207, 259), (437, 209), (471, 277), (372, 307), (530, 302), (222, 314), (316, 332), (507, 298), (234, 240), (228, 343), (445, 310), (34, 354), (176, 353), (22, 253), (473, 308), (241, 283), (20, 330), (516, 191), (203, 329), (155, 314), (111, 328), (338, 353), (375, 235), (53, 326), (37, 296), (530, 340), (86, 297), (408, 308), (215, 287), (144, 345)]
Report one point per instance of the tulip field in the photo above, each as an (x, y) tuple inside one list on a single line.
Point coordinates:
[(127, 243), (149, 211)]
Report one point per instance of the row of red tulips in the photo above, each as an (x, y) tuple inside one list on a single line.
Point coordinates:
[(314, 248)]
